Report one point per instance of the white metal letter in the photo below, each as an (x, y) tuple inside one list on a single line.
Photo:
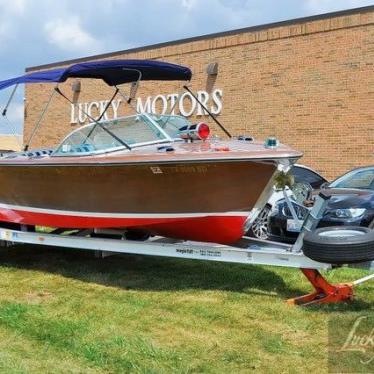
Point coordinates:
[(82, 116), (89, 109), (115, 106), (73, 118), (203, 97), (164, 104), (140, 108), (217, 99), (181, 104), (173, 99), (103, 104)]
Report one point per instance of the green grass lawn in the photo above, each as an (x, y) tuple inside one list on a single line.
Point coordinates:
[(66, 311)]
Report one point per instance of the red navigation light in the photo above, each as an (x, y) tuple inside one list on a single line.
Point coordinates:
[(203, 131)]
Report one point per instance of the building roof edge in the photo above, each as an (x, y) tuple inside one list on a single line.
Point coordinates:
[(293, 21)]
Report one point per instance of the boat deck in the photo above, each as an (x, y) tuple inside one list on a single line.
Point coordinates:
[(162, 152)]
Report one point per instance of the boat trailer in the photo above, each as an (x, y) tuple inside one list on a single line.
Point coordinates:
[(246, 251)]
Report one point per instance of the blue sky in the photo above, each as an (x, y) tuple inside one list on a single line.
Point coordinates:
[(34, 32)]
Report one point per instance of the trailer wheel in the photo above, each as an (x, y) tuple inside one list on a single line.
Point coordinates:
[(340, 244)]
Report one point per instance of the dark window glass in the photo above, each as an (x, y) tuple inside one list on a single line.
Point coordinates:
[(307, 176), (356, 179)]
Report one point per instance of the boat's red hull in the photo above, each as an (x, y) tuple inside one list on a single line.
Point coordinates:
[(225, 228)]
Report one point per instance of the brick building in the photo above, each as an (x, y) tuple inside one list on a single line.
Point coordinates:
[(307, 81)]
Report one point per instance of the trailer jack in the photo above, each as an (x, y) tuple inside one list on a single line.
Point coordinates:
[(325, 292)]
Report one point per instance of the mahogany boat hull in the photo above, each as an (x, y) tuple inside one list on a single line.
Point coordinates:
[(204, 200)]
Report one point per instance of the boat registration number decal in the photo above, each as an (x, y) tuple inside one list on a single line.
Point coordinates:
[(156, 170), (189, 169), (201, 169)]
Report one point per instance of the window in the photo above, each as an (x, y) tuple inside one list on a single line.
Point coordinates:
[(362, 179), (171, 124), (133, 131), (307, 176)]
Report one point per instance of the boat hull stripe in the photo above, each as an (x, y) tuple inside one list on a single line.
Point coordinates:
[(117, 215)]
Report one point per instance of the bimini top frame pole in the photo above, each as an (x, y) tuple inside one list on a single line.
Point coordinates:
[(4, 114), (96, 121), (208, 111), (39, 121)]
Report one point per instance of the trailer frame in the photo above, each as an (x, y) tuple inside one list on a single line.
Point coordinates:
[(246, 251)]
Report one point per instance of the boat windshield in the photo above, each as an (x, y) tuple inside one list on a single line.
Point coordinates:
[(171, 124), (134, 131)]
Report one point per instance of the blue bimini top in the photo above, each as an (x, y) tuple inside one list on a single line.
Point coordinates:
[(112, 72)]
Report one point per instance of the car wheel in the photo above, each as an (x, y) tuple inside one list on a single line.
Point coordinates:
[(340, 244), (259, 228)]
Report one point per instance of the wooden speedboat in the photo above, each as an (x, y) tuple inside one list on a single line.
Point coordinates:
[(159, 174)]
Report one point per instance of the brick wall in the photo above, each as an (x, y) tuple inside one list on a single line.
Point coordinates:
[(310, 83)]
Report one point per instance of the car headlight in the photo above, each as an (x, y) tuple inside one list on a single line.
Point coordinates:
[(348, 213)]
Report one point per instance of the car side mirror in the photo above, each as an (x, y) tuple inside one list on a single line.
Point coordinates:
[(324, 185)]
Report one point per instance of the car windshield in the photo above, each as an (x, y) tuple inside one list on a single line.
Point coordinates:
[(361, 179), (132, 131)]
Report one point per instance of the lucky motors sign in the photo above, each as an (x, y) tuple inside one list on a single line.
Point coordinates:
[(184, 104)]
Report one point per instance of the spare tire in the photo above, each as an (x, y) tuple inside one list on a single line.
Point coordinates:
[(340, 244)]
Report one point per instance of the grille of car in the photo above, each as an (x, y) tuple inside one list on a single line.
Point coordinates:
[(301, 212)]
